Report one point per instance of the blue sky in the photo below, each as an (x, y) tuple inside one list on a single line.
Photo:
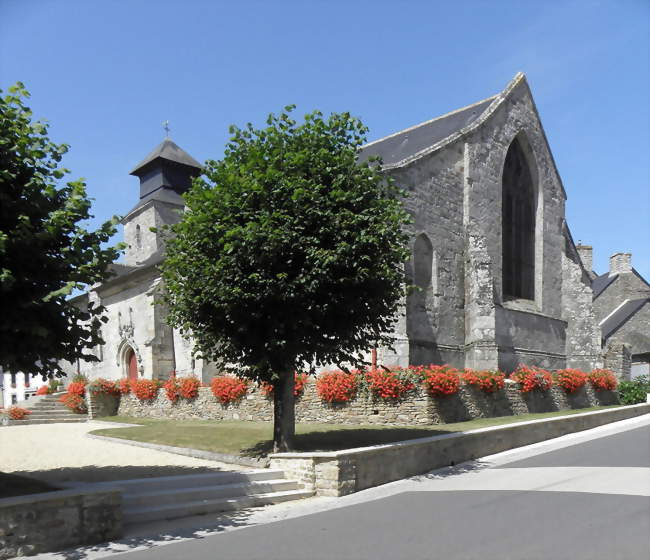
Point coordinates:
[(107, 73)]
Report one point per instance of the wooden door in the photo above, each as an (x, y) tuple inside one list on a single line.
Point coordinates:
[(133, 365)]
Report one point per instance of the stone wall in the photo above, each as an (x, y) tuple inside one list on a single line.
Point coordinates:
[(418, 408), (57, 520), (339, 473), (618, 358)]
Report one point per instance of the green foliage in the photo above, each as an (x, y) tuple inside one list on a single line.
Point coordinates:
[(291, 251), (44, 253), (635, 391)]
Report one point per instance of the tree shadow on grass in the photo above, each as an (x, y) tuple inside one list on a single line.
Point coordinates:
[(337, 440)]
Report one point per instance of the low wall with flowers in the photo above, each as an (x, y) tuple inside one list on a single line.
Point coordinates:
[(432, 395)]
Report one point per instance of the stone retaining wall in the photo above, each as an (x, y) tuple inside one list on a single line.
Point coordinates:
[(57, 520), (417, 408), (339, 473)]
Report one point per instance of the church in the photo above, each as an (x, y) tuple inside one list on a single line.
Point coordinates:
[(501, 279)]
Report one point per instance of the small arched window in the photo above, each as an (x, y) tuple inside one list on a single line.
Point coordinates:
[(518, 225), (138, 237), (422, 262)]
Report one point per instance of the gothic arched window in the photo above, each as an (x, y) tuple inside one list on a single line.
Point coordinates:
[(518, 225)]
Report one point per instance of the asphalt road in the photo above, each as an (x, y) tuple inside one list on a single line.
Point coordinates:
[(587, 500)]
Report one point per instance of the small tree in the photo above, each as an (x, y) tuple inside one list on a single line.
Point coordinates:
[(290, 253), (44, 251)]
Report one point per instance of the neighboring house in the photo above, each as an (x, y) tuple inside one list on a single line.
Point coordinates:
[(17, 387), (622, 307), (501, 280)]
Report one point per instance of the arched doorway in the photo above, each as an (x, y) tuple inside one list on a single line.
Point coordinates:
[(132, 362)]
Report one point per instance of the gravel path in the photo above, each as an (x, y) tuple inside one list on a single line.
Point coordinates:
[(62, 453)]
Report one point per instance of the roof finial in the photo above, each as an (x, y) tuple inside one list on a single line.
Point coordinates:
[(166, 127)]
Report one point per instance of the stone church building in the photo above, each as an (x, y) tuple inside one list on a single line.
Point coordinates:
[(501, 280)]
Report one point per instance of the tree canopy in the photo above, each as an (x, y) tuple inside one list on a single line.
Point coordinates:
[(45, 252), (290, 252)]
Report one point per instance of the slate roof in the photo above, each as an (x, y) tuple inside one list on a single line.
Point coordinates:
[(623, 314), (601, 282), (162, 194), (170, 151), (406, 143)]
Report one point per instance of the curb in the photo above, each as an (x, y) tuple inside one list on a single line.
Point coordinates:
[(189, 452)]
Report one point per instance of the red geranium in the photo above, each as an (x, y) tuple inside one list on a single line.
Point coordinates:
[(77, 388), (440, 381), (488, 381), (18, 413), (228, 389), (145, 389), (603, 380), (531, 377), (570, 379), (300, 380), (44, 390), (124, 386), (391, 384), (188, 387), (337, 386), (74, 402)]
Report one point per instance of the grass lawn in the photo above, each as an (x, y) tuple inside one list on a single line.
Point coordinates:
[(253, 439), (14, 485)]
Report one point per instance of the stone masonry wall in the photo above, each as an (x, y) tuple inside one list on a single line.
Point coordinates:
[(418, 408), (57, 520)]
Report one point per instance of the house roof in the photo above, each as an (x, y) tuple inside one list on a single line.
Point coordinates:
[(621, 315), (171, 152), (600, 283), (401, 145)]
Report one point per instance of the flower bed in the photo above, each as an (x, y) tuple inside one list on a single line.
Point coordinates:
[(300, 380), (228, 389), (145, 389), (603, 380), (531, 378), (18, 413), (391, 384), (570, 379), (440, 381), (337, 386), (488, 381)]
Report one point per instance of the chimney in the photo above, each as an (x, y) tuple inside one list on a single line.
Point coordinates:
[(620, 263), (586, 256)]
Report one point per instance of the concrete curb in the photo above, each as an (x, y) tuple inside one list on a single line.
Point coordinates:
[(196, 453)]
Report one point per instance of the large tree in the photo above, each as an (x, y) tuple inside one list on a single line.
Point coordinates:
[(45, 252), (290, 252)]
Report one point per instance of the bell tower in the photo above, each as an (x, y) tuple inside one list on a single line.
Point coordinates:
[(165, 174)]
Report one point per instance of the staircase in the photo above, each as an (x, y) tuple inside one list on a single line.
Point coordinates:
[(48, 410), (171, 497)]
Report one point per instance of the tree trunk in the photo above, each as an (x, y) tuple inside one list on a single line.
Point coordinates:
[(284, 420)]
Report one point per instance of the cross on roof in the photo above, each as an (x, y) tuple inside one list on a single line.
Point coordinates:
[(166, 127)]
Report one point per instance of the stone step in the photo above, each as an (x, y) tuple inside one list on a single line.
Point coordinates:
[(61, 416), (200, 507), (202, 493), (162, 483), (31, 422)]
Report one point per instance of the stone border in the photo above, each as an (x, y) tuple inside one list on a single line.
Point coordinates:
[(189, 452), (52, 521), (338, 473)]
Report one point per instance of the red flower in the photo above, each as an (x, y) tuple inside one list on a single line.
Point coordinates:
[(337, 386), (570, 379), (300, 380), (531, 377), (440, 381), (74, 402), (77, 388), (44, 390), (145, 389), (228, 389), (391, 384), (17, 413), (488, 381), (603, 380)]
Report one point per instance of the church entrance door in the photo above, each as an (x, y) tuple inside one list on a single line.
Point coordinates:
[(133, 365)]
